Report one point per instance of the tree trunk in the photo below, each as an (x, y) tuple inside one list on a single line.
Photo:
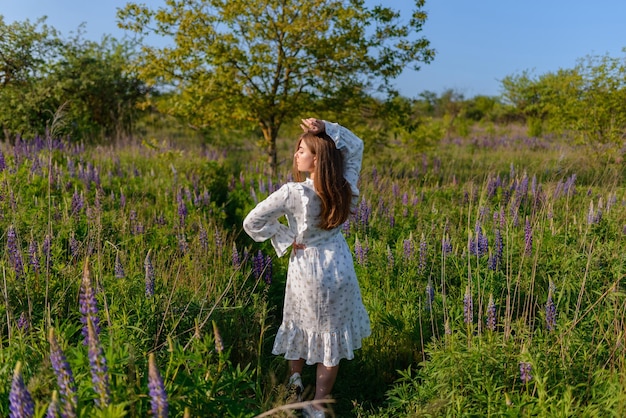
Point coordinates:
[(269, 134)]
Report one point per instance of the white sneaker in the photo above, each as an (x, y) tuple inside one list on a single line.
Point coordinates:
[(295, 386), (310, 412)]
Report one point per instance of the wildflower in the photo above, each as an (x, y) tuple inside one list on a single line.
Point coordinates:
[(158, 396), (22, 322), (235, 257), (15, 257), (20, 402), (46, 248), (550, 311), (53, 408), (525, 370), (468, 307), (73, 245), (88, 305), (77, 203), (528, 238), (422, 256), (98, 366), (32, 255), (430, 294), (65, 378), (149, 275), (119, 269), (267, 268), (407, 247), (219, 243), (182, 209), (203, 237), (359, 252), (3, 164), (491, 314)]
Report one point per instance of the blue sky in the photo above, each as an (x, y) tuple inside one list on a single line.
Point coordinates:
[(478, 42)]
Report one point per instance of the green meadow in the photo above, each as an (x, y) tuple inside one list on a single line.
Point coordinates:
[(490, 265)]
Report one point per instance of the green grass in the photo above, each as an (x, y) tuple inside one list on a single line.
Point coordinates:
[(70, 206)]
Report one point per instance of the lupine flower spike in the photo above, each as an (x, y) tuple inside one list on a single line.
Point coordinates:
[(149, 277), (525, 371), (491, 314), (88, 305), (99, 369), (21, 404), (550, 310), (468, 307), (53, 408), (65, 378), (219, 343), (158, 396)]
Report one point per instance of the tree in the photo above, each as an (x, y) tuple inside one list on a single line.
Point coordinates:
[(40, 73), (262, 62), (25, 50)]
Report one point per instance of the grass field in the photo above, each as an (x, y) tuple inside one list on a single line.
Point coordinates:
[(491, 268)]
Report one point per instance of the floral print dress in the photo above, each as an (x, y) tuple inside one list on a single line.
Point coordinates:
[(324, 319)]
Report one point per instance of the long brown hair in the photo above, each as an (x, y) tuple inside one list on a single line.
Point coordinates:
[(328, 180)]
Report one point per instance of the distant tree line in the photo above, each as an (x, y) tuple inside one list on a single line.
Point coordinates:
[(253, 67), (79, 88)]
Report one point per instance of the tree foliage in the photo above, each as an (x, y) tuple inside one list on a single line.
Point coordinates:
[(587, 100), (260, 63), (41, 74)]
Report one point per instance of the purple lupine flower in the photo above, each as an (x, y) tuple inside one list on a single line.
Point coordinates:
[(53, 407), (74, 244), (122, 200), (550, 311), (345, 227), (359, 252), (430, 294), (468, 307), (235, 257), (525, 371), (98, 366), (77, 203), (528, 238), (421, 267), (119, 268), (3, 164), (23, 324), (88, 304), (258, 264), (149, 276), (491, 314), (15, 257), (158, 396), (203, 237), (46, 247), (65, 378), (407, 248), (21, 404), (219, 243), (182, 209), (33, 257)]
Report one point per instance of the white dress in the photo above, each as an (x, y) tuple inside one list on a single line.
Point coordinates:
[(324, 319)]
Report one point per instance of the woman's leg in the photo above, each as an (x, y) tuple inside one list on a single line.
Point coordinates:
[(296, 366), (324, 381)]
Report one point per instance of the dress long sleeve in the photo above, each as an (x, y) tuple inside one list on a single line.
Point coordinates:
[(262, 222), (351, 147)]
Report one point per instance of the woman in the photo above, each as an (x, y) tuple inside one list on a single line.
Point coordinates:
[(324, 319)]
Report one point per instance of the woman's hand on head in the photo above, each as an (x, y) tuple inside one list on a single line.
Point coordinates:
[(312, 125)]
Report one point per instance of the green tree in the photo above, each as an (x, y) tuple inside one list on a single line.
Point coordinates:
[(25, 50), (242, 63)]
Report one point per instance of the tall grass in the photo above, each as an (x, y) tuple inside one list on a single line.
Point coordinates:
[(491, 268)]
